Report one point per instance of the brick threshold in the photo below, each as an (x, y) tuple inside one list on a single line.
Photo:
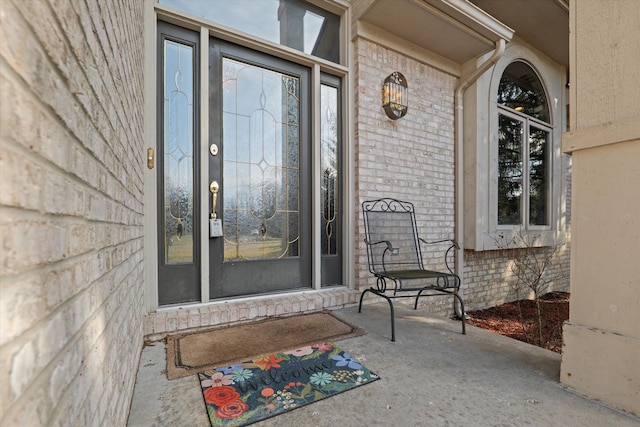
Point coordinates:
[(226, 312)]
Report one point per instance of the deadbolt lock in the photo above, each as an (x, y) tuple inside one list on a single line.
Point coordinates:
[(213, 149)]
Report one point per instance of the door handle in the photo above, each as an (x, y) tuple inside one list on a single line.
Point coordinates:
[(214, 188)]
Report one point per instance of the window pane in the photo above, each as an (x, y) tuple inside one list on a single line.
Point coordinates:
[(329, 168), (178, 152), (261, 167), (292, 23), (521, 90), (538, 176), (510, 134)]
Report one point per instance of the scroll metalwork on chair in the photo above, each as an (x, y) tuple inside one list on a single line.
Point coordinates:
[(395, 256)]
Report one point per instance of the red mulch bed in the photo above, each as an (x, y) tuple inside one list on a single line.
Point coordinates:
[(506, 319)]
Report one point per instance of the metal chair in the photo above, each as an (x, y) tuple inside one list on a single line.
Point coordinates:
[(395, 256)]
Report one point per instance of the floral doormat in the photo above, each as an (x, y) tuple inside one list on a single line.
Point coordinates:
[(262, 388)]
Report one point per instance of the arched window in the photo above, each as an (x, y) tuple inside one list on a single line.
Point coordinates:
[(524, 149)]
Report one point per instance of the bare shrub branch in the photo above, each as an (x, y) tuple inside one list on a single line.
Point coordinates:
[(531, 266)]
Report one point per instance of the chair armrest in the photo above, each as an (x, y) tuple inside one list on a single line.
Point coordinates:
[(454, 244), (386, 242), (388, 250)]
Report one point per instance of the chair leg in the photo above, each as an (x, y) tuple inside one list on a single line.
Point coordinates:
[(393, 318), (361, 297), (393, 324), (415, 305), (462, 317)]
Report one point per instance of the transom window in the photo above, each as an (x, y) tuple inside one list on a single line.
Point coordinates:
[(293, 23), (524, 149)]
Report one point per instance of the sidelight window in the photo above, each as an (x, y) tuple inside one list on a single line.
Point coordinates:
[(330, 184)]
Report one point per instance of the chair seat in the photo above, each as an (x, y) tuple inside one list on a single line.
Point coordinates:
[(413, 274)]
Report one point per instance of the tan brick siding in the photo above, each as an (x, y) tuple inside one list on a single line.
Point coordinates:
[(488, 280), (412, 159), (71, 212)]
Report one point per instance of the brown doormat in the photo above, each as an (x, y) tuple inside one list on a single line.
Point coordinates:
[(190, 353)]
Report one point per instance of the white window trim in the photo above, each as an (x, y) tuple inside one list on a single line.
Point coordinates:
[(481, 153)]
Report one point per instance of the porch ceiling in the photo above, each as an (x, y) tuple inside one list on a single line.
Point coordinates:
[(542, 23), (453, 29), (460, 30)]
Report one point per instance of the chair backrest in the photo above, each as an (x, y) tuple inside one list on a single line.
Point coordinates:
[(393, 221)]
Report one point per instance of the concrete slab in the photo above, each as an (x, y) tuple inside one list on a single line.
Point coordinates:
[(431, 376)]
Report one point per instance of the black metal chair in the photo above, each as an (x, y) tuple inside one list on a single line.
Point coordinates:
[(395, 255)]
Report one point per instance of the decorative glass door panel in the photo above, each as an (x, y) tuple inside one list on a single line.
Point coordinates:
[(330, 168), (178, 154), (262, 131), (261, 165), (177, 166)]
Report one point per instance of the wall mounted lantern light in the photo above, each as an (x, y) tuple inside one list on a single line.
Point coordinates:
[(395, 96)]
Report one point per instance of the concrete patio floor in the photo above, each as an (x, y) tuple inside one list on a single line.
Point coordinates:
[(431, 376)]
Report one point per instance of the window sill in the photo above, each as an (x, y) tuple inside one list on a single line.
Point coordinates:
[(514, 238)]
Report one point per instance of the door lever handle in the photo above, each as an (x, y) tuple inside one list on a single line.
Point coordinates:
[(214, 188)]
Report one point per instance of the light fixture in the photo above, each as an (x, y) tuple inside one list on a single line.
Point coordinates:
[(395, 96)]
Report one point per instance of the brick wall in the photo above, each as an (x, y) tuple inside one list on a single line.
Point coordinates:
[(489, 280), (71, 214), (412, 159), (409, 159)]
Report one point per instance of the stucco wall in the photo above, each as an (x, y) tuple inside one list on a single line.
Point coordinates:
[(604, 49), (602, 336), (71, 160), (412, 159)]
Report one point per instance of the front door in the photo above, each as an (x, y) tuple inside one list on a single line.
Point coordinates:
[(259, 173), (257, 162)]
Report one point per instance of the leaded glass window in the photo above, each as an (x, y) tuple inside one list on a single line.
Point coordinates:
[(178, 152)]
